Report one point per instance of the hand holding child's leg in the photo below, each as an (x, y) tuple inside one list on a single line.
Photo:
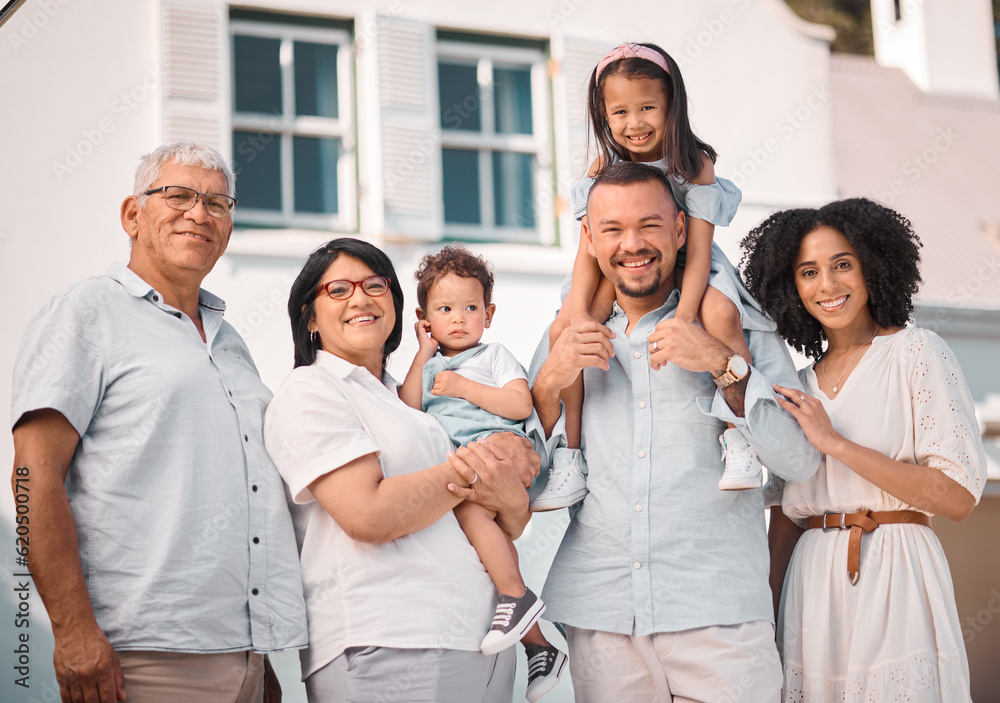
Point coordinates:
[(721, 319)]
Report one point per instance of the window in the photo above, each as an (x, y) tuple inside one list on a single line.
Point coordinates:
[(293, 142), (494, 148)]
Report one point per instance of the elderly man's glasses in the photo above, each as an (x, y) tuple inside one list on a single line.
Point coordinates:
[(373, 286), (184, 199)]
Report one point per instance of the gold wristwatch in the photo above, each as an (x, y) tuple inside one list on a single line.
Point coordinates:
[(736, 370)]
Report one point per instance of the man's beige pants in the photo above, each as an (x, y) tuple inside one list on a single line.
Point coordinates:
[(169, 677), (718, 664)]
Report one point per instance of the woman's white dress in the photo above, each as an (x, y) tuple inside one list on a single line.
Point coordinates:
[(895, 636)]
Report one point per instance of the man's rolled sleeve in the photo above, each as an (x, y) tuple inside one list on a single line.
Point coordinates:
[(58, 365), (772, 432), (533, 425)]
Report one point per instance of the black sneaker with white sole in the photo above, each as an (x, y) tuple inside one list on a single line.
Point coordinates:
[(512, 619), (545, 666)]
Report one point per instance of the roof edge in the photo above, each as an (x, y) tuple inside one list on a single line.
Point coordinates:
[(812, 30)]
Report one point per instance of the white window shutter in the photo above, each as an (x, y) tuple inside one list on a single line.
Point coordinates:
[(410, 135), (579, 57), (195, 61)]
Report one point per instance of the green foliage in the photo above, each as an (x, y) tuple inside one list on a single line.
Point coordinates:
[(851, 19)]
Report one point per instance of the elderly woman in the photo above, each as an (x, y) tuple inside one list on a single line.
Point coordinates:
[(396, 596), (868, 608)]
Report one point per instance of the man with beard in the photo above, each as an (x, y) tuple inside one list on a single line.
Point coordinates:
[(661, 578)]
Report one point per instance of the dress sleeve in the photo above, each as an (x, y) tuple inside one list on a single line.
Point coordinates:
[(312, 429), (714, 202), (579, 193), (946, 432)]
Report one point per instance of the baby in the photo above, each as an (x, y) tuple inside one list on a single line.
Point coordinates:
[(475, 390)]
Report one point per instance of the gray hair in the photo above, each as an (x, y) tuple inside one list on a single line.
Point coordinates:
[(185, 154)]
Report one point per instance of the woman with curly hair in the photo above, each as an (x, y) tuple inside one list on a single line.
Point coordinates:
[(868, 607)]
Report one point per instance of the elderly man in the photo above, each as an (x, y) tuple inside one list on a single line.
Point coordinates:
[(661, 578), (161, 543)]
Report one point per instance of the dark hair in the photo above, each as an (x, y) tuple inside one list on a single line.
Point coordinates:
[(887, 247), (302, 296), (456, 260), (682, 149), (626, 173)]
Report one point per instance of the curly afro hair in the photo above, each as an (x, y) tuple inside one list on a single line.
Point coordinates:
[(888, 248), (458, 261)]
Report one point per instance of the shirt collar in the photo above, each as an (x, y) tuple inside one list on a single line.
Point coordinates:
[(341, 368), (137, 287), (670, 304)]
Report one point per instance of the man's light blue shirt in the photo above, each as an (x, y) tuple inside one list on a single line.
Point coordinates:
[(185, 539), (656, 546)]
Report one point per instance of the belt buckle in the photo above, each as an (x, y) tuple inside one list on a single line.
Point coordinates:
[(841, 526)]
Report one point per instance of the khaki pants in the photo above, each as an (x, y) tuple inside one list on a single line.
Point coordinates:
[(170, 677), (718, 664)]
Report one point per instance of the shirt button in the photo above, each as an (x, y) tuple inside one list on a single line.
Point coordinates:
[(245, 438), (256, 540), (230, 394), (156, 298), (642, 403), (637, 565), (642, 454), (638, 508), (255, 591), (254, 488), (638, 355)]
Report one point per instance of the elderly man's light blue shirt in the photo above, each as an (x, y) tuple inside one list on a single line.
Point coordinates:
[(655, 545), (185, 539)]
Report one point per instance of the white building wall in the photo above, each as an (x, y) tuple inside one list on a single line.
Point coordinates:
[(943, 46)]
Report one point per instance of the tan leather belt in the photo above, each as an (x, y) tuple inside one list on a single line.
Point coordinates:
[(859, 523)]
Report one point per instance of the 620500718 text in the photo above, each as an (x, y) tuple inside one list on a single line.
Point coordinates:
[(22, 588)]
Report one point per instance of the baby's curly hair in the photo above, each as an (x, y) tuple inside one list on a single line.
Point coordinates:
[(887, 246), (456, 260)]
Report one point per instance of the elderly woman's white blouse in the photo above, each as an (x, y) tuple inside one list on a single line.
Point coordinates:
[(896, 630), (425, 590)]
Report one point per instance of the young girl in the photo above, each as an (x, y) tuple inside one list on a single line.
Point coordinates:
[(638, 112)]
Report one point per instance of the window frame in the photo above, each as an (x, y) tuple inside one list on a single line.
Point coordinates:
[(486, 57), (289, 125)]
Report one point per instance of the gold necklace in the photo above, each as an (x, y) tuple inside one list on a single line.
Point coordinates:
[(836, 386)]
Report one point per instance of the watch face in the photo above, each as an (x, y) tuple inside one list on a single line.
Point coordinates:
[(739, 365)]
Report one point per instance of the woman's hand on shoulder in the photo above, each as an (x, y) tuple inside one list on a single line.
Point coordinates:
[(811, 416)]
